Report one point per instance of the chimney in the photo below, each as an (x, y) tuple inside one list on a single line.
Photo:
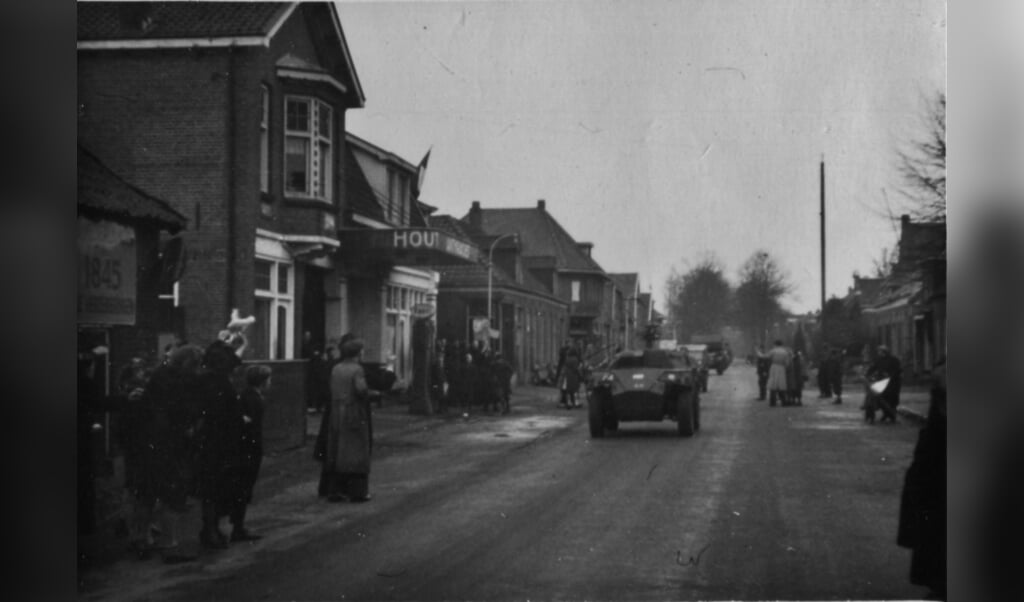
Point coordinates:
[(541, 205), (904, 220), (475, 216), (585, 247)]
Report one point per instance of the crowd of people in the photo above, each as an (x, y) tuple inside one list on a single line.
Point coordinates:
[(782, 372), (189, 428)]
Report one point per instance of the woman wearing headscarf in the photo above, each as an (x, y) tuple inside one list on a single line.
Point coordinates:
[(346, 468)]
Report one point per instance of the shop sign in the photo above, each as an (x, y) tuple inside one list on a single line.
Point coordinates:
[(431, 239), (422, 310), (106, 272)]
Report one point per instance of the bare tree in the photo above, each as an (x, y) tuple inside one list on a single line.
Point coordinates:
[(922, 165), (882, 266), (699, 300), (763, 283)]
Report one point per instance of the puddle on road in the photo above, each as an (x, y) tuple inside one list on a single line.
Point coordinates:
[(515, 429)]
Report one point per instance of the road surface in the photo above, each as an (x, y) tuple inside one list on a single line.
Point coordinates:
[(763, 503)]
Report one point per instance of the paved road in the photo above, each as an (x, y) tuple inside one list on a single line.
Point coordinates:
[(764, 503)]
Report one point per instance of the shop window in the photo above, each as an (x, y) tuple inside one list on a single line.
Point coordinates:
[(309, 156)]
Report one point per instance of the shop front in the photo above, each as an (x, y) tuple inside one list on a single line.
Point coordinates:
[(390, 285)]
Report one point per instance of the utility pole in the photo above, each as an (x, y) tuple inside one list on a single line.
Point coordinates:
[(823, 243)]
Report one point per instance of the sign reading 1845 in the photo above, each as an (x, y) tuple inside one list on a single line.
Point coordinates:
[(106, 273)]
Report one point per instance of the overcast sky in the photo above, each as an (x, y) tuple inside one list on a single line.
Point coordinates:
[(660, 131)]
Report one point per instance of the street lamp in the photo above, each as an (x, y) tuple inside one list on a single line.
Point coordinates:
[(490, 273)]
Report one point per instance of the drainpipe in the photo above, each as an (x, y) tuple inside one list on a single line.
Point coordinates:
[(232, 193)]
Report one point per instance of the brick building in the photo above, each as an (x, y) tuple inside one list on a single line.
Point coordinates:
[(562, 266), (529, 321), (234, 113)]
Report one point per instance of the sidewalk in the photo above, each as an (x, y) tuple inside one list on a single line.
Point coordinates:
[(107, 550)]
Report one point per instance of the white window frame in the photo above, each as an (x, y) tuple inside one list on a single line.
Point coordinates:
[(279, 299), (319, 182)]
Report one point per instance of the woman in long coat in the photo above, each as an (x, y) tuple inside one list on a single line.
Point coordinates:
[(777, 386), (346, 471)]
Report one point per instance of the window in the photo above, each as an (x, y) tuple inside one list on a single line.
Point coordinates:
[(398, 198), (308, 148), (273, 282), (265, 142), (575, 291)]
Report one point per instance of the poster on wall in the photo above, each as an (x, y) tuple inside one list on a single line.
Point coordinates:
[(106, 272)]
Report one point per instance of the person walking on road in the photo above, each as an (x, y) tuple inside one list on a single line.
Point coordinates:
[(831, 374), (350, 430), (764, 365), (502, 371), (795, 376), (780, 361), (570, 383)]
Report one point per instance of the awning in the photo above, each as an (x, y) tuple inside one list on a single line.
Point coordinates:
[(408, 246)]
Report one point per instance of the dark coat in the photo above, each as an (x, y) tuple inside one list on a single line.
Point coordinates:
[(220, 439), (922, 524), (242, 478), (172, 407)]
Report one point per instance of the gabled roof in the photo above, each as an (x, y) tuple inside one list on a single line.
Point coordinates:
[(359, 194), (143, 25), (180, 20), (460, 229), (382, 155), (103, 192), (449, 224), (920, 241), (627, 283), (539, 235)]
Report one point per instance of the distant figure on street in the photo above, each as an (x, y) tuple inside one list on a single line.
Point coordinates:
[(795, 378), (570, 383), (777, 386), (764, 365), (888, 366), (502, 372), (831, 374)]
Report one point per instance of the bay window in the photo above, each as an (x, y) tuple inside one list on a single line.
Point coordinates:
[(308, 148)]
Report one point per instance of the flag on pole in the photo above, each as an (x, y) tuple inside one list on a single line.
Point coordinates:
[(421, 170)]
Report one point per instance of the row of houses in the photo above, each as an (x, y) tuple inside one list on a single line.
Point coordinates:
[(216, 172), (905, 310)]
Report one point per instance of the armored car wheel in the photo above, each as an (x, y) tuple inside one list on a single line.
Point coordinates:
[(595, 414)]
